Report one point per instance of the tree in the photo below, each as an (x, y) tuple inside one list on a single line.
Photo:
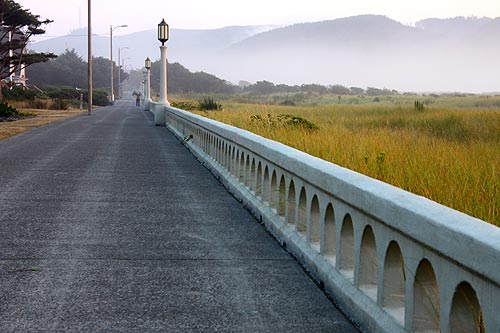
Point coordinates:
[(339, 90), (262, 88), (357, 90), (18, 26), (181, 80), (70, 70)]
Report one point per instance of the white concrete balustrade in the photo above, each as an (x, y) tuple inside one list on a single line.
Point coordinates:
[(394, 261)]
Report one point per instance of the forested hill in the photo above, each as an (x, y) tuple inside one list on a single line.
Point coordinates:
[(457, 54)]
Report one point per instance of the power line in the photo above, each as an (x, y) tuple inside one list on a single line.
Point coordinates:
[(55, 36)]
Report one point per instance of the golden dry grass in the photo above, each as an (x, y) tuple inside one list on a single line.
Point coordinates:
[(448, 155), (43, 117)]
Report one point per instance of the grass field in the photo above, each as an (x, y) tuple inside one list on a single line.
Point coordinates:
[(448, 152), (42, 117)]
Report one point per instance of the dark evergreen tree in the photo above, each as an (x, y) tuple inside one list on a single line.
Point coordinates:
[(18, 26)]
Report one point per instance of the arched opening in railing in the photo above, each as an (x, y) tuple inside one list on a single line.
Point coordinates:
[(233, 161), (302, 213), (210, 144), (266, 185), (222, 153), (425, 299), (217, 150), (247, 171), (227, 154), (368, 264), (204, 146), (252, 175), (258, 186), (242, 168), (274, 191), (291, 203), (393, 298), (466, 314), (282, 197), (314, 234), (329, 246), (346, 263)]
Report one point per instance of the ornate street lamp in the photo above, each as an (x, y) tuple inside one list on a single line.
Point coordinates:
[(163, 35), (163, 32)]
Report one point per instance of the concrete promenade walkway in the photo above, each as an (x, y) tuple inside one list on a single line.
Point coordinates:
[(109, 224)]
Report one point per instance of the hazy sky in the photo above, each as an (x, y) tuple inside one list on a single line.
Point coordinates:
[(205, 14)]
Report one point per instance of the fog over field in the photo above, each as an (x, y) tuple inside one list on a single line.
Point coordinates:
[(458, 54)]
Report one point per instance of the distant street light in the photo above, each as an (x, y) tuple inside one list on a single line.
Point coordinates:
[(119, 71), (123, 63), (163, 35), (111, 29)]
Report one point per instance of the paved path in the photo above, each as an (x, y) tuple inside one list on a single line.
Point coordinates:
[(107, 223)]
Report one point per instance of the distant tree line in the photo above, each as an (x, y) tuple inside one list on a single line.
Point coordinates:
[(266, 87), (70, 70)]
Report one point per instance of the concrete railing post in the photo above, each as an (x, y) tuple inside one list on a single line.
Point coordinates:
[(163, 76), (159, 109)]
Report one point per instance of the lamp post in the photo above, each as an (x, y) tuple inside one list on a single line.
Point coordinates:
[(147, 91), (163, 34), (119, 71), (111, 29), (89, 41)]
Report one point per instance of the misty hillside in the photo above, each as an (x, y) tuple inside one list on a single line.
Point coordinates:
[(458, 54), (184, 45), (341, 32), (436, 55)]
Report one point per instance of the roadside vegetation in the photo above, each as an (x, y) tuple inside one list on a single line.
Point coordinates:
[(445, 148)]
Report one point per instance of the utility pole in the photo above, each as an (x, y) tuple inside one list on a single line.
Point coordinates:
[(89, 32)]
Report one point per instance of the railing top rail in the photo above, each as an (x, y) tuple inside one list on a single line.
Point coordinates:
[(471, 242)]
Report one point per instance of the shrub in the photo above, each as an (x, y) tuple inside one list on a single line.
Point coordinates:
[(419, 106), (19, 94), (62, 92), (288, 102), (296, 121), (7, 111), (100, 98), (185, 105), (60, 104), (37, 103), (284, 120), (67, 94), (208, 104)]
